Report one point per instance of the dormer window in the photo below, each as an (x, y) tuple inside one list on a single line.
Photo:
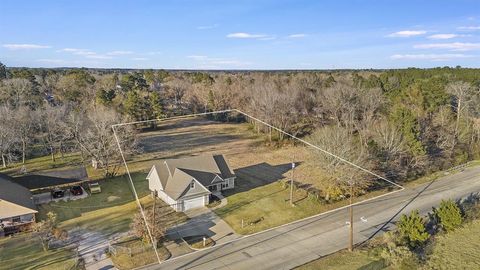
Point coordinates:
[(192, 185)]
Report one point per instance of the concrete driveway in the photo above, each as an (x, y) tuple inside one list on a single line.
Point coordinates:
[(46, 197), (202, 221)]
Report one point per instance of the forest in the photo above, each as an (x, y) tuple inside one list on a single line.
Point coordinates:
[(401, 123)]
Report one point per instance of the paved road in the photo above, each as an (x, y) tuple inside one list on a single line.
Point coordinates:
[(298, 243)]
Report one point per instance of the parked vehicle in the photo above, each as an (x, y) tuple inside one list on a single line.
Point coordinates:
[(76, 190), (58, 193), (94, 187)]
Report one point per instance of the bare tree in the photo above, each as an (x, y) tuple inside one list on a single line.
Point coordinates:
[(353, 108), (24, 124), (45, 230), (7, 135), (391, 147), (462, 93), (18, 92), (52, 127), (157, 225), (339, 141), (92, 132)]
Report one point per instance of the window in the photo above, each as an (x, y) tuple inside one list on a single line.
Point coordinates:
[(192, 185)]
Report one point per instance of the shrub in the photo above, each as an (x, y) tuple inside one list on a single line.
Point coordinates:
[(396, 255), (448, 215), (412, 229)]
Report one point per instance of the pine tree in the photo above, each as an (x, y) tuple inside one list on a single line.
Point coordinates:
[(156, 106), (448, 215), (412, 229), (211, 101), (3, 71)]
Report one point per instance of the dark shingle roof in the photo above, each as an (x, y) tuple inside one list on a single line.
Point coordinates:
[(175, 174), (53, 178), (15, 193)]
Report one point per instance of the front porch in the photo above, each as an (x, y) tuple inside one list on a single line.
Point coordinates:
[(12, 225)]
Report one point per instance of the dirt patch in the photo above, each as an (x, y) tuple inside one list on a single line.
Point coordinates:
[(112, 198)]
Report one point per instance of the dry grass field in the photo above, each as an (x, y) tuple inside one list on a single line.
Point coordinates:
[(246, 151), (259, 198)]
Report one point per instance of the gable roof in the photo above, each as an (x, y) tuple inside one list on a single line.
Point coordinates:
[(15, 200), (176, 174)]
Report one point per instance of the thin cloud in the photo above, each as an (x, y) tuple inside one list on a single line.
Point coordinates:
[(297, 36), (98, 56), (245, 35), (119, 53), (454, 46), (86, 53), (25, 46), (469, 28), (139, 59), (268, 38), (154, 53), (407, 33), (216, 62), (206, 27), (197, 57), (431, 57), (77, 51), (51, 61), (443, 36)]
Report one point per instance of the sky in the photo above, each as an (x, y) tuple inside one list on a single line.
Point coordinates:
[(260, 34)]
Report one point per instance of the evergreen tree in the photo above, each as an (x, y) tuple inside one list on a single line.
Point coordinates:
[(448, 215), (412, 229), (156, 106), (3, 71), (211, 101), (133, 105)]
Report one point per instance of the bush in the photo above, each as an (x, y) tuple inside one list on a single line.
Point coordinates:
[(412, 229), (448, 215), (396, 255)]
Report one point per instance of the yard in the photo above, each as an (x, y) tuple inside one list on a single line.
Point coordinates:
[(109, 211), (25, 252), (259, 199), (135, 253), (345, 260)]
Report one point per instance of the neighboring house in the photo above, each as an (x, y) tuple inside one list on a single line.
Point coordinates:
[(17, 210), (52, 179), (188, 182)]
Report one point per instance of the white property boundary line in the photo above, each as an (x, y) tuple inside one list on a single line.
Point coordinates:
[(263, 122)]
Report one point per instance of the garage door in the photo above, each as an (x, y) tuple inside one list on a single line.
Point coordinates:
[(192, 203)]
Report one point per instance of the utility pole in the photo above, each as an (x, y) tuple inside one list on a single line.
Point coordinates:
[(291, 181), (350, 248)]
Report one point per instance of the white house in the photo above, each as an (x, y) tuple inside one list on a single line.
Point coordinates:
[(188, 182)]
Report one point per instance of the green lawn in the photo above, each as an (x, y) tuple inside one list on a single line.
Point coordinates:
[(109, 211), (345, 260), (458, 249), (44, 163), (25, 252), (268, 206)]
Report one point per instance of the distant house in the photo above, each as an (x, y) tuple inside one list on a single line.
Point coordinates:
[(187, 183), (17, 210)]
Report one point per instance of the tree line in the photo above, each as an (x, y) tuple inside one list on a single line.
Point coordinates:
[(400, 123)]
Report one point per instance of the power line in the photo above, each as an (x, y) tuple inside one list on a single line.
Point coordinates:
[(136, 197)]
